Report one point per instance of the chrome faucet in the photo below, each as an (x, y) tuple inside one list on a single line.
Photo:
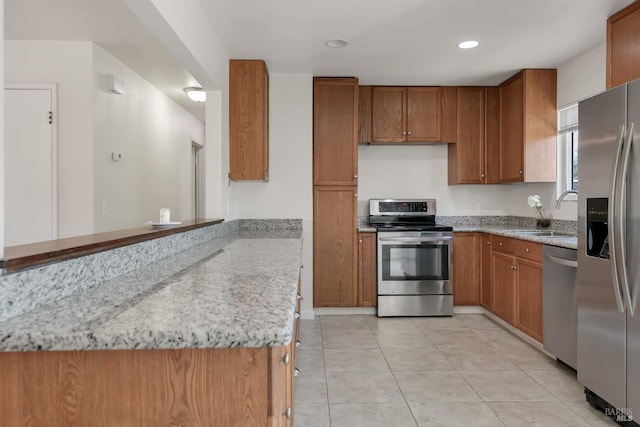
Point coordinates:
[(563, 195)]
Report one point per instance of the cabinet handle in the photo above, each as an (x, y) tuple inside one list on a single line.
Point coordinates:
[(521, 172), (298, 343), (488, 242), (355, 176), (408, 133), (360, 241), (286, 359), (500, 243), (404, 133), (527, 250), (296, 372), (355, 194), (298, 296), (296, 315), (481, 175), (287, 413)]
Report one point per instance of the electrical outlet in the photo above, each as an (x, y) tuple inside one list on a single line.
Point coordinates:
[(105, 208)]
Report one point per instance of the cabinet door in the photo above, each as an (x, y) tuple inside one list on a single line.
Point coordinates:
[(367, 269), (503, 278), (335, 131), (423, 114), (334, 247), (449, 114), (623, 45), (466, 272), (529, 298), (512, 130), (248, 120), (486, 294), (364, 134), (492, 135), (388, 114), (470, 145)]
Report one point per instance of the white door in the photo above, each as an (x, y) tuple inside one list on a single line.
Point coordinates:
[(29, 167)]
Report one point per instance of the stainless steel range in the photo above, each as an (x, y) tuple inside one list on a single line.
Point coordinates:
[(414, 258)]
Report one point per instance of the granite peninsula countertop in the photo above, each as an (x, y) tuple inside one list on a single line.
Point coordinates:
[(240, 292), (512, 231)]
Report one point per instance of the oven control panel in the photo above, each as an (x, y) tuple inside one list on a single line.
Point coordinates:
[(400, 207)]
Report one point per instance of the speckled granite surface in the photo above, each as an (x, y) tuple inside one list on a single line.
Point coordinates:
[(28, 289), (241, 292), (508, 226)]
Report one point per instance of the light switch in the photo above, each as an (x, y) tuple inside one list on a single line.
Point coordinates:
[(116, 157)]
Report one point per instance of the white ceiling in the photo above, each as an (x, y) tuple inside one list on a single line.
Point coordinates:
[(390, 41), (411, 41)]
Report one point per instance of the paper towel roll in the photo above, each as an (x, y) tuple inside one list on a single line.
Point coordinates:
[(165, 215)]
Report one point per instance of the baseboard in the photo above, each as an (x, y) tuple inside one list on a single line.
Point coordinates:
[(468, 309), (343, 311)]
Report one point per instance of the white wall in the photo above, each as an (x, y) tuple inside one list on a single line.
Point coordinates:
[(154, 135), (288, 194), (2, 134), (67, 64), (582, 76)]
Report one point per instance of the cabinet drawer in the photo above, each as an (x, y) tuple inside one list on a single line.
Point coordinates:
[(527, 250), (503, 245)]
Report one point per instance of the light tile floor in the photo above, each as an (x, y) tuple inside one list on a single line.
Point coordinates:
[(417, 372)]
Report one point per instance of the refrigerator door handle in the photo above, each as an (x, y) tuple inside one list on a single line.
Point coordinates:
[(613, 214), (622, 215)]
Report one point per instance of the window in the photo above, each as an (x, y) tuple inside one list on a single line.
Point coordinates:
[(568, 149)]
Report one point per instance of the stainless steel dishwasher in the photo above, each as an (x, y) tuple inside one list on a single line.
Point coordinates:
[(559, 303)]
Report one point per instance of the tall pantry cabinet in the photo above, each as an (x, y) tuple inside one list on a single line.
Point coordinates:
[(335, 180)]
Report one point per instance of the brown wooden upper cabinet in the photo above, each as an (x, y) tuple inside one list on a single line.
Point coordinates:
[(248, 120), (412, 115), (473, 159), (623, 46), (335, 131), (528, 127)]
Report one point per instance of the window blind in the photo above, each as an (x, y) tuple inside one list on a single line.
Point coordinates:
[(568, 119)]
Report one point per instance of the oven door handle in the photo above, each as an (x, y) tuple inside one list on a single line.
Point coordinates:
[(400, 239)]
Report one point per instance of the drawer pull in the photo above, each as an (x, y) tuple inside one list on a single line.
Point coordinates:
[(299, 297), (298, 343), (286, 359), (527, 250), (296, 315), (500, 244), (296, 372), (287, 413)]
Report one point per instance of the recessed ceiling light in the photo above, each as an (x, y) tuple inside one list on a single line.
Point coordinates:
[(336, 44), (196, 94), (469, 44)]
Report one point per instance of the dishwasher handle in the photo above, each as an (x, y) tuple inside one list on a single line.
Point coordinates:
[(562, 261)]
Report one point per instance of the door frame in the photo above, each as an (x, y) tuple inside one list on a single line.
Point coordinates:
[(54, 144), (197, 176)]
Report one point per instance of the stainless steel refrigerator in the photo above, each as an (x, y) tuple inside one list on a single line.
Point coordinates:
[(609, 250)]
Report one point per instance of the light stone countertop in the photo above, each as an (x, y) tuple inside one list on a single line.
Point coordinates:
[(241, 294), (512, 231)]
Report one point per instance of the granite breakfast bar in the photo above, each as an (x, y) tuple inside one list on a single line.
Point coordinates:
[(202, 337)]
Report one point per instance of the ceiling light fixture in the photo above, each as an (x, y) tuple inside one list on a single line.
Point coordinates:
[(469, 44), (336, 44), (196, 94)]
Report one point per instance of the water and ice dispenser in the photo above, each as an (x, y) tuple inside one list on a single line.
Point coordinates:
[(597, 228)]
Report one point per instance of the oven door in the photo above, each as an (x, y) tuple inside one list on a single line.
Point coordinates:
[(414, 263)]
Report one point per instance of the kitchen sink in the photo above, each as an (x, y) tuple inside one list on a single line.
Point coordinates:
[(545, 233)]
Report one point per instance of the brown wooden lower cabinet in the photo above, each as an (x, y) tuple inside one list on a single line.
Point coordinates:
[(466, 268), (504, 296), (529, 298), (335, 253), (486, 291), (147, 388), (516, 276), (367, 270)]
